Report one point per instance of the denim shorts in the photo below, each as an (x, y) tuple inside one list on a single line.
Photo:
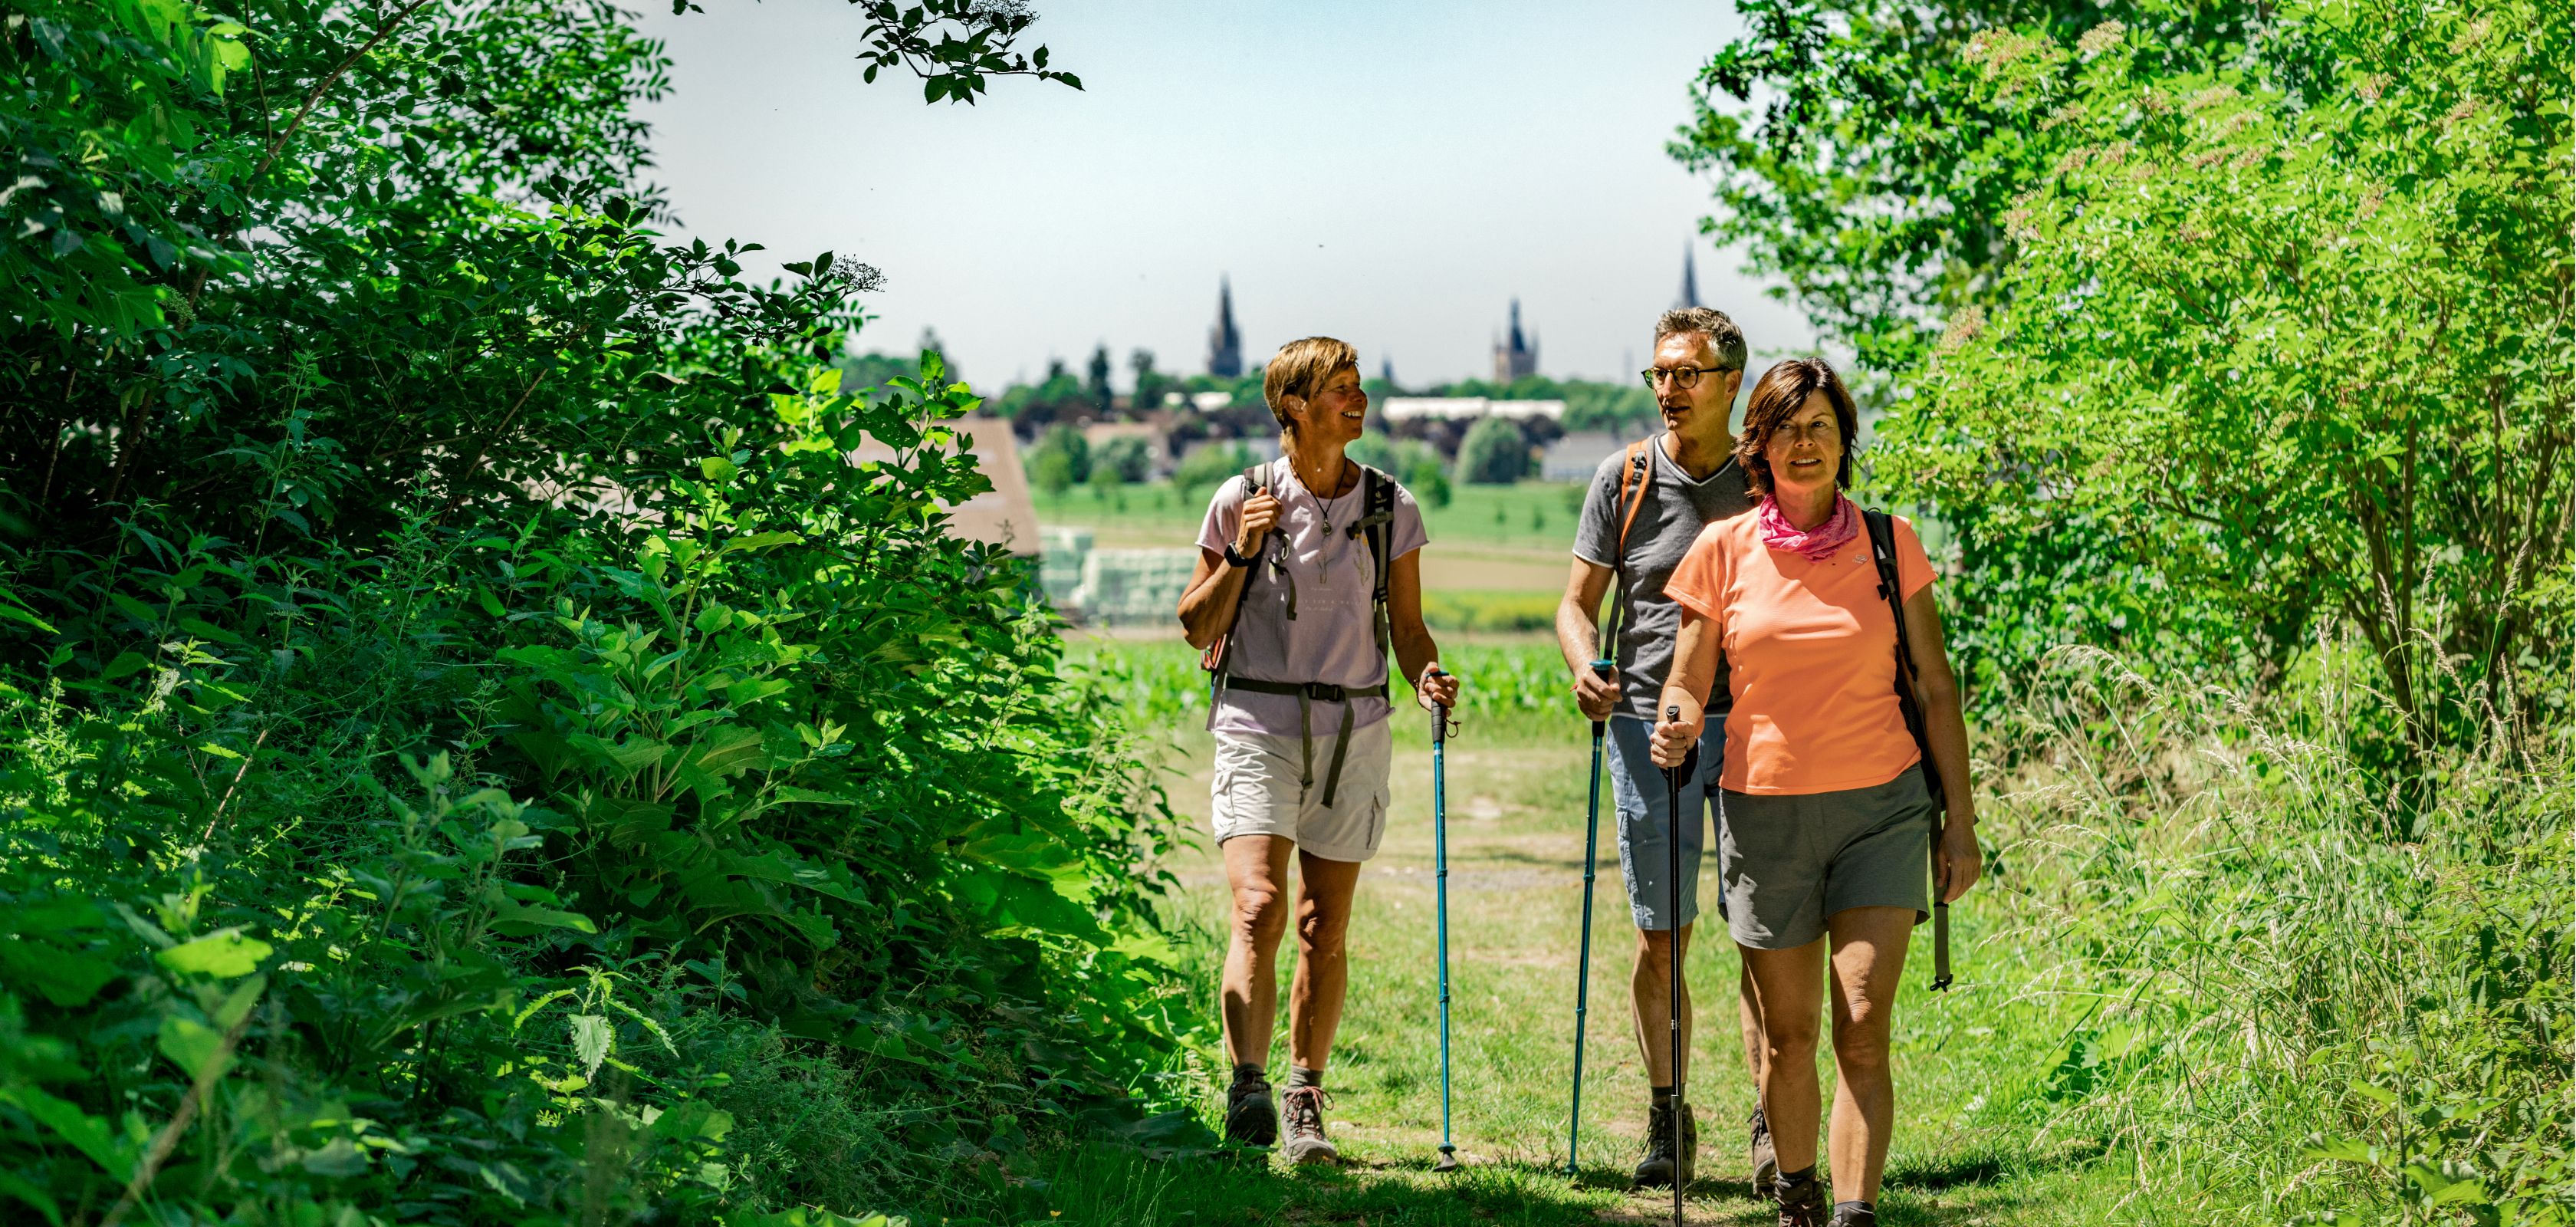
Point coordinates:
[(1790, 862), (1637, 785)]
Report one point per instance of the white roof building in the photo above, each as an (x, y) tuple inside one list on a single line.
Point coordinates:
[(1576, 456), (1402, 408)]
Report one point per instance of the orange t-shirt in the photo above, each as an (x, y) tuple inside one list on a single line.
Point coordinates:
[(1811, 657)]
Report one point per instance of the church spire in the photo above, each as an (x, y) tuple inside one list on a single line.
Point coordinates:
[(1690, 281), (1225, 344)]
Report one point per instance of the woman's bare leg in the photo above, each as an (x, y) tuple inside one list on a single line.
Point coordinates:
[(1256, 868), (1324, 894), (1868, 963), (1789, 987)]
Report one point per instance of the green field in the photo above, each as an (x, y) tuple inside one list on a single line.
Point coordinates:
[(1496, 563), (1534, 516)]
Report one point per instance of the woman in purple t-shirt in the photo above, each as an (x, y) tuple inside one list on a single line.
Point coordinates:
[(1288, 582)]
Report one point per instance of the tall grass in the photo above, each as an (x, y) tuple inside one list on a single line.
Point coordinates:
[(2267, 993)]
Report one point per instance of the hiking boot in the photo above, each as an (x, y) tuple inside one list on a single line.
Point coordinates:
[(1657, 1169), (1250, 1118), (1802, 1202), (1766, 1165), (1306, 1140), (1853, 1214)]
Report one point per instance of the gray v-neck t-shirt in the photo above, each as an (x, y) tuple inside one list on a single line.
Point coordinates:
[(1675, 508)]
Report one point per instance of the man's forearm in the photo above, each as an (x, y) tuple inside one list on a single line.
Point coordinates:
[(1577, 635)]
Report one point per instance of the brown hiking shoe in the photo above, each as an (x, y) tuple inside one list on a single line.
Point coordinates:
[(1802, 1202), (1663, 1158), (1250, 1118), (1766, 1165), (1306, 1140)]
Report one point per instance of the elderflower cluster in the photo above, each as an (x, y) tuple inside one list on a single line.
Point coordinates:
[(2101, 38)]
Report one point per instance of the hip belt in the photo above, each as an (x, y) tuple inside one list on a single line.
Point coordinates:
[(1308, 694)]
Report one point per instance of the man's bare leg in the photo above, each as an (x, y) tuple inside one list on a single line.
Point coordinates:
[(1647, 993)]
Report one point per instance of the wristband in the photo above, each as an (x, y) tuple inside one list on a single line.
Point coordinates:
[(1233, 559)]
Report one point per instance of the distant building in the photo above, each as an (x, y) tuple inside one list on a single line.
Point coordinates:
[(1690, 283), (1405, 408), (1225, 343), (1576, 456), (1515, 355)]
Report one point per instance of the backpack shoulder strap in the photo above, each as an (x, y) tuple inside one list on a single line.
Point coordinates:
[(1377, 521), (1634, 471), (1882, 552), (1218, 657)]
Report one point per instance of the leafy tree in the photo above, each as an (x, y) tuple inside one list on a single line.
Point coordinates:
[(1060, 396), (1208, 467), (2265, 357), (1493, 453), (1095, 384), (1151, 384), (1857, 155), (1051, 470), (1127, 456)]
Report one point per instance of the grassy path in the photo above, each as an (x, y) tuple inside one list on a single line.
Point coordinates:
[(1516, 835)]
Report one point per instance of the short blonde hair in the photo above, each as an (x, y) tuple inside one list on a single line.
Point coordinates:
[(1302, 366)]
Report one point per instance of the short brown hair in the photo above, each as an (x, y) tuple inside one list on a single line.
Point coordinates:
[(1784, 390), (1723, 336), (1300, 367)]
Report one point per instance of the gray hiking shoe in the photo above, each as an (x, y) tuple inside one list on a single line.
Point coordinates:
[(1306, 1140), (1853, 1214), (1802, 1202), (1657, 1169), (1250, 1118), (1766, 1165)]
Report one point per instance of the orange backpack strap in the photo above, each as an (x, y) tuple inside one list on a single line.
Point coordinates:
[(1632, 472)]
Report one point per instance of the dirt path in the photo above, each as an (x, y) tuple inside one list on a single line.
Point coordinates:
[(1516, 855)]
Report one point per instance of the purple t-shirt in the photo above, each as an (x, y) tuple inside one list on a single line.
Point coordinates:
[(1333, 638)]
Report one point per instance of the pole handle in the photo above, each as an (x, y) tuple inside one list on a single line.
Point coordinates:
[(1439, 711)]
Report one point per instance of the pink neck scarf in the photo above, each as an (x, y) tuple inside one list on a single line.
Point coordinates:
[(1813, 545)]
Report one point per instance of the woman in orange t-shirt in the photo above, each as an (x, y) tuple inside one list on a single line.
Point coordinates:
[(1824, 815)]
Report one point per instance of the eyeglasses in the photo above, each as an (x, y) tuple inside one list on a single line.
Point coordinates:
[(1683, 377)]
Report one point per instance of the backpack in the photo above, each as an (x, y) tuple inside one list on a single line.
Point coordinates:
[(1376, 522)]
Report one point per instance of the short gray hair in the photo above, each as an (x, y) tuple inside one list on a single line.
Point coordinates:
[(1723, 336)]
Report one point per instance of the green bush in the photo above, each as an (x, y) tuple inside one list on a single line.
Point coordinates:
[(1493, 453), (459, 703), (1205, 469), (2263, 994)]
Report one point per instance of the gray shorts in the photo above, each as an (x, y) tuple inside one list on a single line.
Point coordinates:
[(1791, 862), (1637, 786)]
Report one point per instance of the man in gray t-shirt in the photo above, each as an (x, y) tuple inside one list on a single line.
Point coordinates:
[(1646, 506)]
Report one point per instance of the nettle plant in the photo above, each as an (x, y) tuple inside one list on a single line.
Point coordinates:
[(2265, 357)]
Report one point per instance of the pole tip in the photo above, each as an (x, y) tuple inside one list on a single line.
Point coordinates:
[(1448, 1160)]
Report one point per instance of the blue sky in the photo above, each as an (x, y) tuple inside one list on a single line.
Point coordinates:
[(1390, 173)]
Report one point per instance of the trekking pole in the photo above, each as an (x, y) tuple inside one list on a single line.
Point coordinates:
[(1583, 964), (1440, 877), (1940, 909), (1673, 991)]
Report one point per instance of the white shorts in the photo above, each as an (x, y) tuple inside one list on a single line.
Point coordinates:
[(1256, 790)]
